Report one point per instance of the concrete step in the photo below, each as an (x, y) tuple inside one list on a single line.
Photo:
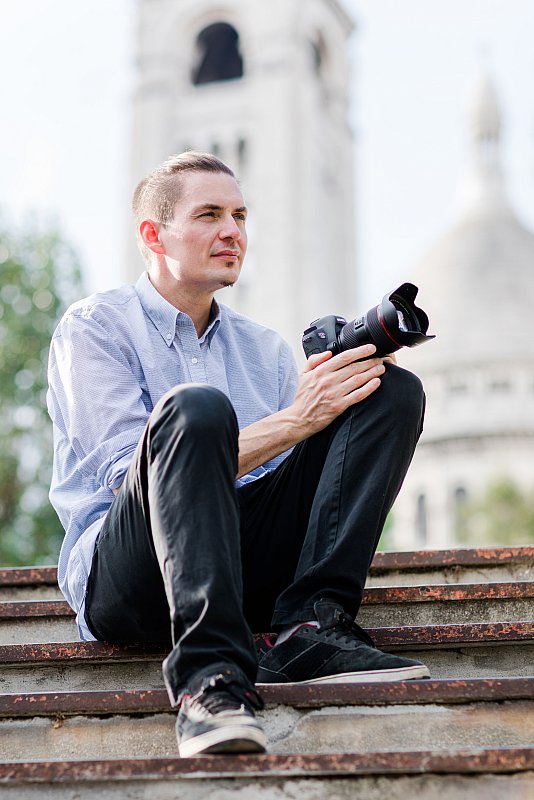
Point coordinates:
[(328, 719), (450, 651), (459, 565), (30, 622), (469, 773)]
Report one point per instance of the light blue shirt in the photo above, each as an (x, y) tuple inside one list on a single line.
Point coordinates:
[(112, 356)]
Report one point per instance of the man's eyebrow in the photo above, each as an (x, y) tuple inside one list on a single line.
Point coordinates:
[(215, 207)]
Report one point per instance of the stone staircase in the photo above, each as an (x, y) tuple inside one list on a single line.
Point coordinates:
[(79, 720)]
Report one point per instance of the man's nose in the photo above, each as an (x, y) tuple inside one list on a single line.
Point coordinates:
[(230, 229)]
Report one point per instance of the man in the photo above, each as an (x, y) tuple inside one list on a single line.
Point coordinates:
[(207, 492)]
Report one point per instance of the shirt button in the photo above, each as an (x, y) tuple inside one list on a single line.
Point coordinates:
[(168, 337), (194, 360)]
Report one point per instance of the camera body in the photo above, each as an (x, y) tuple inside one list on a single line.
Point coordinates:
[(396, 322), (323, 334)]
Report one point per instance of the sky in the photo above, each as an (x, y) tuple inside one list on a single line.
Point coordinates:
[(68, 75)]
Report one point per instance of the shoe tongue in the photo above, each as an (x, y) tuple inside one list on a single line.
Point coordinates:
[(327, 612)]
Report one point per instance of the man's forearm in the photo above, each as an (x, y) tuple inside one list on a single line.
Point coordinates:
[(327, 387), (269, 437)]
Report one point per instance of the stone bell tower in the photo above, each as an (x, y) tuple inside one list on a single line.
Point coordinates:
[(265, 86)]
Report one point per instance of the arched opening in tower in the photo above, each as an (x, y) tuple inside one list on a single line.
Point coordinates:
[(218, 57)]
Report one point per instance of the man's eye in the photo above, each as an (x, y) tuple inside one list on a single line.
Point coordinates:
[(240, 216), (208, 214)]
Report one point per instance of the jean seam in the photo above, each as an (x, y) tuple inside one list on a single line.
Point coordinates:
[(337, 501)]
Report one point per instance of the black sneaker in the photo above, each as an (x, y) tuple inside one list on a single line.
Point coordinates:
[(338, 651), (219, 718)]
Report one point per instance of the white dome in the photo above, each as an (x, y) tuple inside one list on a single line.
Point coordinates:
[(477, 286), (477, 282)]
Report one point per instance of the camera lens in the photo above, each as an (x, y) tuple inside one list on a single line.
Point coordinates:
[(407, 319), (396, 322), (402, 322)]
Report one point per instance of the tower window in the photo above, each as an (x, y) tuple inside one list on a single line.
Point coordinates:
[(318, 55), (500, 386), (421, 520), (241, 152), (218, 57), (457, 388), (460, 499)]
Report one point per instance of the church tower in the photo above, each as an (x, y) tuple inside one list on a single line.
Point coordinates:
[(265, 86)]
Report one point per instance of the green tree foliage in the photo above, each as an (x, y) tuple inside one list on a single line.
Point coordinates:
[(40, 275), (387, 541), (502, 515)]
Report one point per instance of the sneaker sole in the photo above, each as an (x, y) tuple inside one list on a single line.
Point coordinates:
[(370, 676), (228, 739)]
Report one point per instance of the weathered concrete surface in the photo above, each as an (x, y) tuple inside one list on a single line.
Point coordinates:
[(44, 630), (470, 661), (477, 661), (33, 622), (446, 613), (81, 676), (17, 594), (289, 731), (410, 728), (38, 630), (426, 787)]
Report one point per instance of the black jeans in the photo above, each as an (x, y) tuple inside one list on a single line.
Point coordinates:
[(185, 557)]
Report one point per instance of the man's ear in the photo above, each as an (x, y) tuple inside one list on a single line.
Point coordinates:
[(150, 236)]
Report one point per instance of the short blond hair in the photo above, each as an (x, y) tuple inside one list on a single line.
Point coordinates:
[(155, 197)]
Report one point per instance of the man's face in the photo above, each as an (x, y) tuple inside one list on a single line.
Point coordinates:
[(206, 241)]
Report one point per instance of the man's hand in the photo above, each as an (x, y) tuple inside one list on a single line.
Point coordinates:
[(330, 384)]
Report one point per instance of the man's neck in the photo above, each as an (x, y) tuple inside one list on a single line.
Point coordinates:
[(197, 306)]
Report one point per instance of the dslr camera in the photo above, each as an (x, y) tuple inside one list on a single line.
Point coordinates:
[(396, 322)]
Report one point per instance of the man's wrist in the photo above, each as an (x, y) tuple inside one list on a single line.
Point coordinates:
[(296, 427)]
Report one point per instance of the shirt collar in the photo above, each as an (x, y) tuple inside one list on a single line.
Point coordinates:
[(165, 316)]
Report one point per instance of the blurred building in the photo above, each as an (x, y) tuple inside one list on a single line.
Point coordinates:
[(264, 85), (477, 285)]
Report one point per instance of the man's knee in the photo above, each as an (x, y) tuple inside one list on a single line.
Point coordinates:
[(402, 392), (195, 409)]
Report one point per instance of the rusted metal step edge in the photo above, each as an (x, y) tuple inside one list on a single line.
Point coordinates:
[(402, 636), (28, 576), (30, 609), (451, 634), (440, 593), (453, 692), (80, 651), (457, 557), (501, 760), (383, 595), (402, 560)]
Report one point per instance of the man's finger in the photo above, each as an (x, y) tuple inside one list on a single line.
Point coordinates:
[(316, 359), (362, 392), (354, 354)]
